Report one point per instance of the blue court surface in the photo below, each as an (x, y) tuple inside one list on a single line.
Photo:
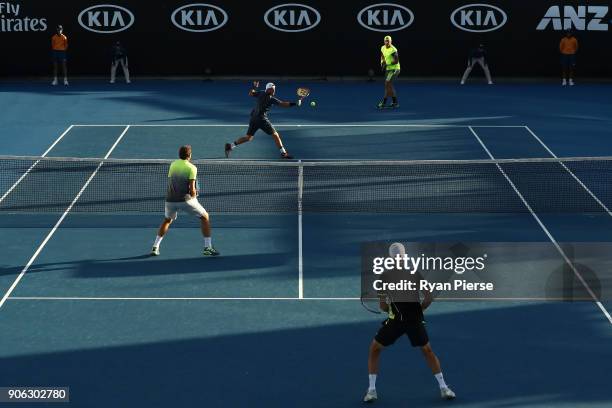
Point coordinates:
[(276, 321)]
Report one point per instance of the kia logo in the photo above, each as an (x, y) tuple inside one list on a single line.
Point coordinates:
[(292, 17), (199, 17), (385, 17), (478, 18), (106, 18)]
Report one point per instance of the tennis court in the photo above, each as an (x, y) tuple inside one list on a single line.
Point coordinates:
[(276, 319)]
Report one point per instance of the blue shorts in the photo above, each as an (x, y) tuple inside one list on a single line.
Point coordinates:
[(58, 56), (568, 60)]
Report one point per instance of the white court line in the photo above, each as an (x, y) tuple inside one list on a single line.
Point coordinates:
[(36, 163), (597, 200), (59, 222), (424, 125), (550, 237), (174, 298), (300, 257), (102, 298)]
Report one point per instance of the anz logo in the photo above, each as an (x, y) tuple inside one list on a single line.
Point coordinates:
[(582, 18), (385, 17), (478, 18), (199, 17), (292, 17), (106, 18)]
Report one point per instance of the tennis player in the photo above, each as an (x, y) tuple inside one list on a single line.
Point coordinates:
[(389, 62), (568, 48), (59, 47), (404, 318), (119, 57), (259, 118), (181, 195)]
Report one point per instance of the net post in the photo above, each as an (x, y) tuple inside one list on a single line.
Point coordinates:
[(300, 264)]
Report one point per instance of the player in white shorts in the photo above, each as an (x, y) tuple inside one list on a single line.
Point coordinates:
[(181, 195)]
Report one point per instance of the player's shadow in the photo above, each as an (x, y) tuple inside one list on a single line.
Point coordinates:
[(145, 265)]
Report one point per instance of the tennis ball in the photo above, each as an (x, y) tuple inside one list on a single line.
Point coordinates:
[(313, 104)]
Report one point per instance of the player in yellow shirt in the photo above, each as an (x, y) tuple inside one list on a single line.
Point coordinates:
[(181, 195), (59, 46), (389, 62)]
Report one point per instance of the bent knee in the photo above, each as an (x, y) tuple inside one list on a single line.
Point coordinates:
[(426, 349), (376, 347)]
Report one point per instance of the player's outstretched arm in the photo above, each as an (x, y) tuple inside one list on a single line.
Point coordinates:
[(285, 104)]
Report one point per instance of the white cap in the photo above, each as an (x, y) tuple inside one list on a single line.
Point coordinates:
[(397, 248), (270, 85)]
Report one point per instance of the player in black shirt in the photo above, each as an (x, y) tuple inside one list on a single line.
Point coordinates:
[(119, 57), (259, 118), (405, 318), (477, 56)]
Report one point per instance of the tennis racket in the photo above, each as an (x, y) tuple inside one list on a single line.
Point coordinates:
[(303, 92), (371, 302)]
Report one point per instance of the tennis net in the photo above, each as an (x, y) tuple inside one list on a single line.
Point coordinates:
[(575, 185)]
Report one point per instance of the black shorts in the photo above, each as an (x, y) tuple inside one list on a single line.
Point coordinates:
[(58, 56), (392, 330), (260, 123), (568, 60)]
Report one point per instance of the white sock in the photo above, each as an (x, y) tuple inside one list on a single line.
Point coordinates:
[(440, 379), (158, 241), (207, 242), (372, 378), (282, 150)]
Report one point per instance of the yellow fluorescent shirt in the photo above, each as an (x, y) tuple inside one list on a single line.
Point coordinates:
[(388, 55)]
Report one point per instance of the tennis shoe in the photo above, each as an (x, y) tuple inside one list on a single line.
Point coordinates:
[(54, 82), (65, 82), (228, 150), (370, 396), (571, 82), (210, 251), (395, 105), (564, 82), (286, 156), (447, 393), (380, 105), (155, 251)]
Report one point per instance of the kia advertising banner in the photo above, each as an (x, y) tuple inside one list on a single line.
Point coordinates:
[(313, 38)]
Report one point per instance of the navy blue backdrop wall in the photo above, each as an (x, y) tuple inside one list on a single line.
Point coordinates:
[(319, 38)]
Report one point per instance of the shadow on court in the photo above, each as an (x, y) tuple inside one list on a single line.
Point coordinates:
[(512, 363), (146, 265)]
